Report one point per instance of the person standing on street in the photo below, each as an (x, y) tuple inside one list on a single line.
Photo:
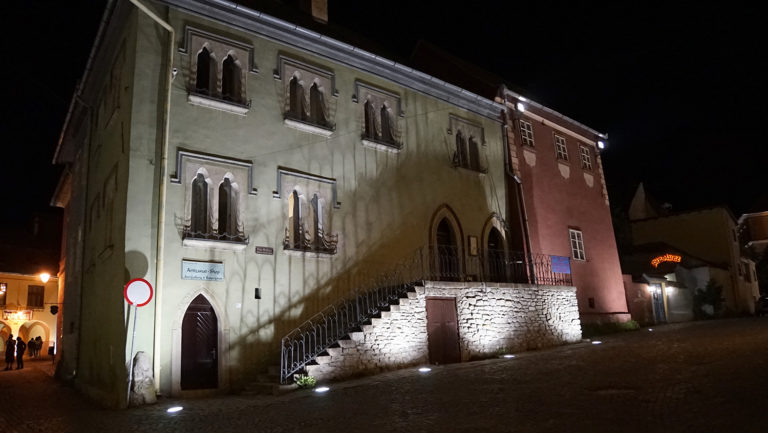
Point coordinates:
[(20, 348), (31, 347), (10, 348)]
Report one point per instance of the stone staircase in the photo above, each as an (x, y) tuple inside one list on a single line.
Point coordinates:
[(369, 348)]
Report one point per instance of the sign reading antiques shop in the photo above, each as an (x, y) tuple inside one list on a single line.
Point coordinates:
[(205, 271)]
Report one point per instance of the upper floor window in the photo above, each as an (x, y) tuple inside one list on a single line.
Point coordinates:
[(215, 192), (217, 74), (561, 151), (577, 245), (306, 229), (35, 296), (3, 291), (526, 133), (381, 110), (469, 144), (586, 158), (306, 96)]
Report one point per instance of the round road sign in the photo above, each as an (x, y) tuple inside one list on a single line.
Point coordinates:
[(138, 292)]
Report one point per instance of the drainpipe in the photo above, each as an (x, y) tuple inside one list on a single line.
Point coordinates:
[(162, 190), (523, 216)]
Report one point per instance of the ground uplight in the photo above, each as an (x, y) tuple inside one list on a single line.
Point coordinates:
[(509, 356), (322, 389), (425, 369), (597, 342), (174, 409)]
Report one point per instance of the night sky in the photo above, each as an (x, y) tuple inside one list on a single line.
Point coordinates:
[(681, 90)]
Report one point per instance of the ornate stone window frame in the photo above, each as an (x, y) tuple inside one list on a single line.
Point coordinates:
[(468, 129), (194, 40), (364, 91), (188, 162), (287, 68)]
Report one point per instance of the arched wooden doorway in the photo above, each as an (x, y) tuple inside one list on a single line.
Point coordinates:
[(495, 256), (199, 346), (447, 251)]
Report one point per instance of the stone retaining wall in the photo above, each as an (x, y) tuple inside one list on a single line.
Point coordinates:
[(493, 319)]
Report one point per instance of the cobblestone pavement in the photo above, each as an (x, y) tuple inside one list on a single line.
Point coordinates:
[(702, 376)]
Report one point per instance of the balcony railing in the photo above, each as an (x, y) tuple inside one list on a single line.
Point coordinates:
[(213, 235), (304, 241)]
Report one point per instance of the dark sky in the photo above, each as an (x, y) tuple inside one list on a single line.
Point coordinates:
[(681, 90)]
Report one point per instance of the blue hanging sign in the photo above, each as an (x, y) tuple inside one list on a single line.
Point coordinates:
[(561, 265)]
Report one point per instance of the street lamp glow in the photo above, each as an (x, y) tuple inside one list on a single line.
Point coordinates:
[(601, 144), (174, 409), (520, 106), (425, 369), (44, 277), (322, 389)]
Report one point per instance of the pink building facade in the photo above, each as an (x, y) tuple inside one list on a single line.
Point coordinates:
[(555, 168)]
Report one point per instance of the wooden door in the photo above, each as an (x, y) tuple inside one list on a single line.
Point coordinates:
[(199, 346), (442, 331)]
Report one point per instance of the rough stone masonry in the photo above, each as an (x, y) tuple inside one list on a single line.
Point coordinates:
[(493, 318)]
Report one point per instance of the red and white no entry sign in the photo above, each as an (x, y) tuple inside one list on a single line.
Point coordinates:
[(138, 292)]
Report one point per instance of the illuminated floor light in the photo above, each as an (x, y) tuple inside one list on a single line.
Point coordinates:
[(322, 389), (597, 342), (174, 409), (650, 329), (508, 356), (425, 369)]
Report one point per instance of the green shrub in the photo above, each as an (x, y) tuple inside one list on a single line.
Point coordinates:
[(304, 380), (589, 330)]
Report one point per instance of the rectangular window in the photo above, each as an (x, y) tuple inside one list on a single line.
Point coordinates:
[(3, 290), (577, 245), (586, 158), (35, 296), (560, 150), (526, 133)]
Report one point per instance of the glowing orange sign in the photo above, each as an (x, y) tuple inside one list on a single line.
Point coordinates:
[(666, 258)]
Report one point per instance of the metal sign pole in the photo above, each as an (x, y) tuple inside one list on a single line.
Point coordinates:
[(130, 358)]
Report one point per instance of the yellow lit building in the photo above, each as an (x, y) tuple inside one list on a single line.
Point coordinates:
[(25, 301)]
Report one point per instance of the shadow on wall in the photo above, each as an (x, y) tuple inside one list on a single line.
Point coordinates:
[(387, 219)]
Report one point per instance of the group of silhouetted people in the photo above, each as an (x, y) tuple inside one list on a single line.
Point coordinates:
[(14, 349)]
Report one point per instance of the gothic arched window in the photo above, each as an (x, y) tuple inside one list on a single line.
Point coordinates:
[(386, 126), (230, 80), (199, 221), (316, 106), (206, 73), (370, 120), (474, 154), (296, 99), (227, 209), (461, 150)]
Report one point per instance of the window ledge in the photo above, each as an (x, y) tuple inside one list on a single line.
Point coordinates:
[(386, 147), (471, 171), (214, 244), (217, 104), (307, 253), (308, 127)]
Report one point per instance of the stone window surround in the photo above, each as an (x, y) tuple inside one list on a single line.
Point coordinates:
[(282, 191), (526, 133), (469, 129), (287, 68), (586, 157), (364, 91), (576, 240), (561, 148), (194, 40), (239, 169)]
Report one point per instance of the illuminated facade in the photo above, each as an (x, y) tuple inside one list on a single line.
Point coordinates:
[(257, 173), (25, 301)]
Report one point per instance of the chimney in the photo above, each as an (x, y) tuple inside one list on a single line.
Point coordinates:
[(317, 8)]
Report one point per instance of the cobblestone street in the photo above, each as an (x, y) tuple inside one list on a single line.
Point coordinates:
[(702, 376)]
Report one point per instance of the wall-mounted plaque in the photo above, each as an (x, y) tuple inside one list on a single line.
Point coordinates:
[(265, 250), (205, 271)]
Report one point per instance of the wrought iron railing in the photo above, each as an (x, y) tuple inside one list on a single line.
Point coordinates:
[(303, 241), (213, 235), (437, 263)]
